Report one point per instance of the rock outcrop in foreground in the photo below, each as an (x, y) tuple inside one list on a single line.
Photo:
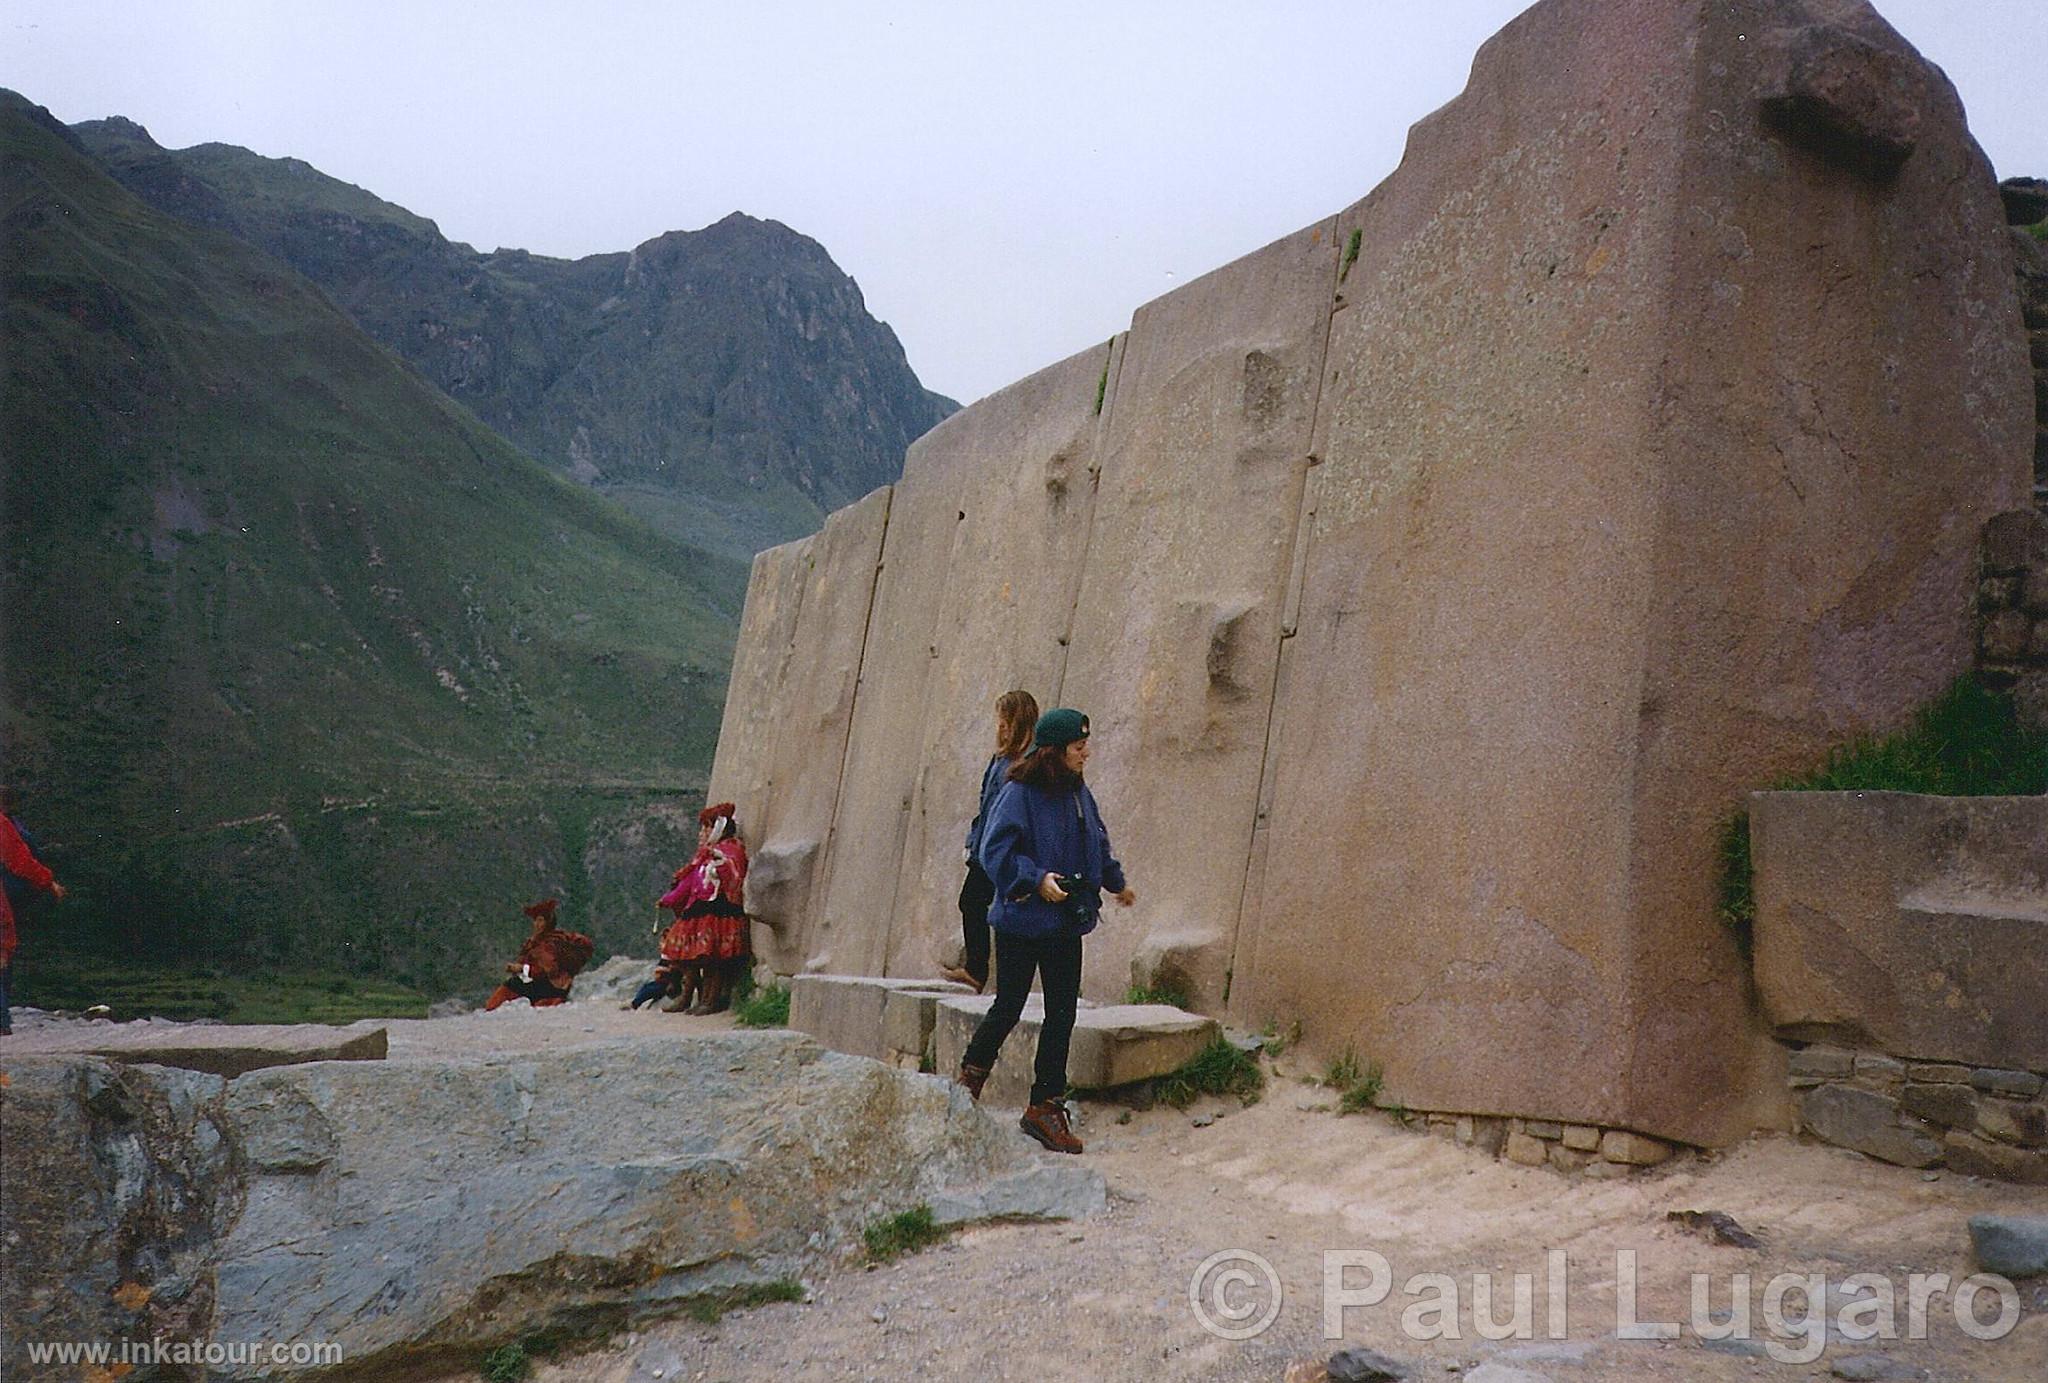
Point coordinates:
[(416, 1212), (1441, 576)]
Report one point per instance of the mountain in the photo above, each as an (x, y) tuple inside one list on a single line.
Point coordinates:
[(728, 383), (302, 665)]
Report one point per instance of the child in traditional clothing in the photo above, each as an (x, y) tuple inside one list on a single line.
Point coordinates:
[(708, 940), (547, 963), (671, 972)]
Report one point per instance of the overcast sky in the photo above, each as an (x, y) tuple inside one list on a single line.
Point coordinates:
[(1006, 182)]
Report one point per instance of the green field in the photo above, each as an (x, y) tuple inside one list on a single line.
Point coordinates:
[(62, 980)]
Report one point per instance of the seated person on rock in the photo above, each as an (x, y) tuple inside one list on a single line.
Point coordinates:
[(547, 963)]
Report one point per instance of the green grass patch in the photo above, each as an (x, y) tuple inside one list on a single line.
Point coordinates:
[(1351, 252), (1218, 1069), (1158, 994), (763, 1008), (61, 980), (1102, 382), (709, 1310), (1278, 1042), (506, 1364), (1358, 1086), (1968, 742), (906, 1232)]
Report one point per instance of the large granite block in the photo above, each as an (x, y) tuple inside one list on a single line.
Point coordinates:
[(1177, 634), (977, 596), (1597, 543), (783, 770), (1910, 924)]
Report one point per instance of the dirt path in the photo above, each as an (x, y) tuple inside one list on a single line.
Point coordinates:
[(1287, 1180)]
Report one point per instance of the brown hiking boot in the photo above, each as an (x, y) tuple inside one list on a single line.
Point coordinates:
[(973, 1078), (960, 976), (1047, 1122)]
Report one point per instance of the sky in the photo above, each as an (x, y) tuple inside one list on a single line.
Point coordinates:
[(1006, 182)]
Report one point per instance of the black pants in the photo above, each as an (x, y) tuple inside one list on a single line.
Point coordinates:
[(975, 896), (1056, 960)]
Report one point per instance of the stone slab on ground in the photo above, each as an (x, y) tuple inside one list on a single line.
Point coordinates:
[(845, 1012), (424, 1211), (2015, 1245), (219, 1049), (1113, 1044)]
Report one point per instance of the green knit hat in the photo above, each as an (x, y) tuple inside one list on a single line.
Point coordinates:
[(1058, 728)]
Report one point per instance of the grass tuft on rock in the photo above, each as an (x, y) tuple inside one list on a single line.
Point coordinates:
[(1968, 742), (1351, 252), (1218, 1069), (763, 1008), (908, 1231), (709, 1310), (506, 1364), (1156, 994)]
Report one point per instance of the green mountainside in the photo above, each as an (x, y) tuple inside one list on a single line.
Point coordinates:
[(304, 667), (727, 384)]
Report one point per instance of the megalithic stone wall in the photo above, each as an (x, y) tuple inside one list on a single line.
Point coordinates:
[(1440, 576)]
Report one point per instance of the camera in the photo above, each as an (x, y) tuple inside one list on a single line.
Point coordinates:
[(1084, 897)]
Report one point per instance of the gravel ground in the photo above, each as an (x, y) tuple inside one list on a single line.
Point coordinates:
[(1286, 1179)]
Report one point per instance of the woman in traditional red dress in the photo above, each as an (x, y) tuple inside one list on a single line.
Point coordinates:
[(707, 943)]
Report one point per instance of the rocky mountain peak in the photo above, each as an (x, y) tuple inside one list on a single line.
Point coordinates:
[(727, 383)]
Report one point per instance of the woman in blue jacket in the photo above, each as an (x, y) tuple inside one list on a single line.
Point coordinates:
[(1016, 716), (1046, 851)]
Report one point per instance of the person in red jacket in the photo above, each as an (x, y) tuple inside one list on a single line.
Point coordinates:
[(21, 862)]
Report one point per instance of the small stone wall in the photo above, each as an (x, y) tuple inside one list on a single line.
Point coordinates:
[(2012, 609), (1577, 1148), (1977, 1120)]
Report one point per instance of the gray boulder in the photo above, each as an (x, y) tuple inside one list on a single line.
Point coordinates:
[(417, 1212)]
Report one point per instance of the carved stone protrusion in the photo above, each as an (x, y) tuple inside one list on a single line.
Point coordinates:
[(1846, 99), (779, 881)]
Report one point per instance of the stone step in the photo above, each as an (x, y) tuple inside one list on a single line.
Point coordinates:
[(846, 1013), (1113, 1044), (226, 1049), (913, 1022)]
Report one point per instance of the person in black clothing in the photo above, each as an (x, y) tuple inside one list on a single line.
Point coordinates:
[(1016, 715)]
